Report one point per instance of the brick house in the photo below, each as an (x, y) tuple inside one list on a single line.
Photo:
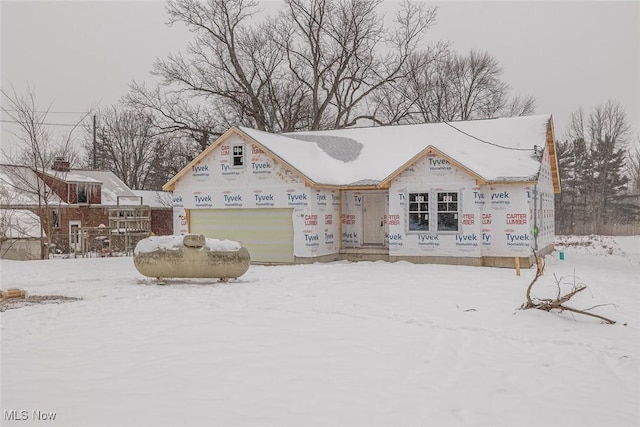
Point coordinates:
[(82, 209), (161, 210)]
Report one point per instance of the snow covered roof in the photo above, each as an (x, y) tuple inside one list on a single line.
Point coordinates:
[(19, 187), (493, 150), (73, 176), (112, 186), (14, 179), (19, 224), (155, 199)]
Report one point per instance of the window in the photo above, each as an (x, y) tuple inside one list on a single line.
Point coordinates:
[(55, 219), (448, 211), (82, 193), (238, 155), (441, 206), (418, 211)]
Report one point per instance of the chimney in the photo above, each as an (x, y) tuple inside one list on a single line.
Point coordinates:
[(61, 164)]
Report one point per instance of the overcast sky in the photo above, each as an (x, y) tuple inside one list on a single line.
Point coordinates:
[(76, 55)]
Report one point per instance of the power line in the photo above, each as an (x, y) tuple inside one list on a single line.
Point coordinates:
[(45, 124), (49, 112), (486, 142)]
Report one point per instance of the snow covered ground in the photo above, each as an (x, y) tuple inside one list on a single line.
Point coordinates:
[(340, 344)]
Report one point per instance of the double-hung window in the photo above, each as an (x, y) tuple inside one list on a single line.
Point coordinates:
[(237, 155), (433, 211), (448, 214), (418, 211)]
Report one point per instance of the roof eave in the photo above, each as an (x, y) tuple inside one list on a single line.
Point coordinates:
[(522, 181)]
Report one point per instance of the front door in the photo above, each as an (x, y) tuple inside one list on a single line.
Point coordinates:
[(373, 210), (75, 237)]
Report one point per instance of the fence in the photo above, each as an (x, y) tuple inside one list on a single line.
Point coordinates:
[(96, 242)]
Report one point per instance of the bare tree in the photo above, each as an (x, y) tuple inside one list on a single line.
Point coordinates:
[(519, 106), (175, 112), (218, 61), (127, 145), (313, 66), (36, 153), (342, 53), (217, 84), (442, 85)]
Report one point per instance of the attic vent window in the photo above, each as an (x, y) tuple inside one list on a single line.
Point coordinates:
[(237, 155)]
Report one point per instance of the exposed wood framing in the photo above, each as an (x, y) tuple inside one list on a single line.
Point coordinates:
[(339, 219), (553, 157)]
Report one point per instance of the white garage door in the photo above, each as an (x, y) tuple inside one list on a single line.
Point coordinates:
[(266, 233)]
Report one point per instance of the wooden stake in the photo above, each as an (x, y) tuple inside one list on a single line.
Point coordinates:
[(517, 266), (13, 293)]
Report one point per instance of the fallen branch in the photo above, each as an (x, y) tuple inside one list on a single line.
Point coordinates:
[(539, 272), (609, 321), (548, 304)]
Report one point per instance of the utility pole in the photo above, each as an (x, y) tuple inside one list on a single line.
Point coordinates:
[(95, 156)]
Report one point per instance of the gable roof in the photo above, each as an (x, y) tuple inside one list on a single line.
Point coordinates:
[(492, 151), (13, 180)]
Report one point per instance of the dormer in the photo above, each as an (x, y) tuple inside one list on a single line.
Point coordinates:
[(72, 186)]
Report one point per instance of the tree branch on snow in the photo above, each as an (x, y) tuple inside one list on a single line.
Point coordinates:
[(548, 304)]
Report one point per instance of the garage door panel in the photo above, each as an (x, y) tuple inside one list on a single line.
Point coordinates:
[(266, 233)]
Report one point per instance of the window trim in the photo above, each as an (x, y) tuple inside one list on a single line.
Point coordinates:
[(82, 192), (457, 211), (419, 211), (433, 210), (55, 218)]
